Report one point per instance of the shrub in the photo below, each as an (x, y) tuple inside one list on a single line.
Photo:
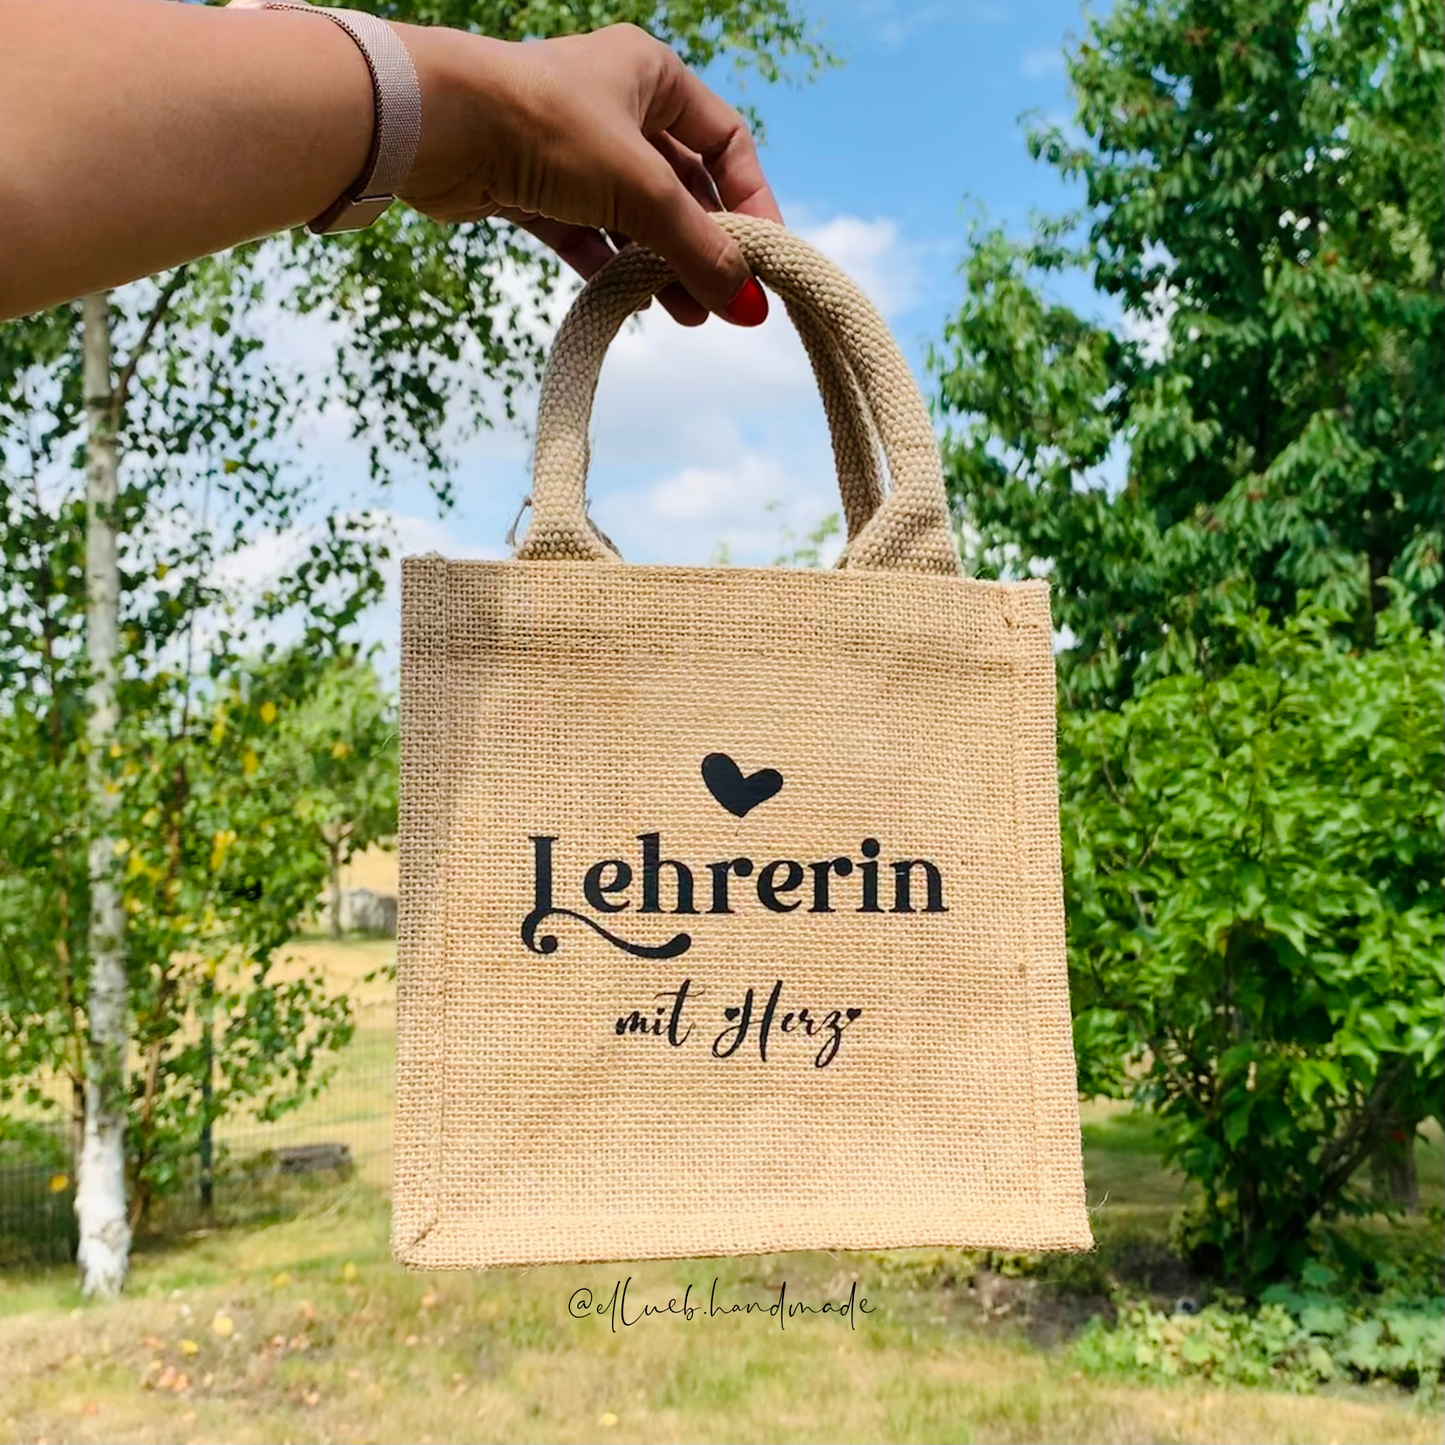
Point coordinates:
[(1256, 922)]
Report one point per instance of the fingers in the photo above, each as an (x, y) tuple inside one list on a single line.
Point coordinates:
[(586, 252), (587, 136), (581, 247), (687, 166), (708, 126), (655, 208), (689, 169), (678, 304)]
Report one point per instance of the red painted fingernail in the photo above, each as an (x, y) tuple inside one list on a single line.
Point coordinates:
[(749, 307)]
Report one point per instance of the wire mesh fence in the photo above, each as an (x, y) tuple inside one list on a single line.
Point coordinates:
[(246, 1169)]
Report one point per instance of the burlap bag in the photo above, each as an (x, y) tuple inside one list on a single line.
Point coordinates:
[(731, 916)]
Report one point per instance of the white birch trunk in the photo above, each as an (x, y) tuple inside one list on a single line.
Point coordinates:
[(100, 1204)]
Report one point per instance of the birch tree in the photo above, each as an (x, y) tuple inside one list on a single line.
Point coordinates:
[(104, 1249), (155, 856)]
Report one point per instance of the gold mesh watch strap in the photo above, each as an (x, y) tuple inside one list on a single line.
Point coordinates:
[(397, 127)]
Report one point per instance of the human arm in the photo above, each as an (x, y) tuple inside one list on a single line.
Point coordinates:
[(143, 133)]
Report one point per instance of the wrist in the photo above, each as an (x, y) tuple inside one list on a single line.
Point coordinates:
[(463, 85), (395, 112)]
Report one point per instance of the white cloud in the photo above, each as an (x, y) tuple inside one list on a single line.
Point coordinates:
[(1038, 63), (1150, 327), (696, 432), (698, 494), (892, 25), (874, 254), (749, 511), (670, 396)]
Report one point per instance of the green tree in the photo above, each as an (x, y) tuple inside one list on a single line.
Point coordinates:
[(213, 861), (143, 466), (339, 759), (1262, 431), (1258, 925), (1266, 203)]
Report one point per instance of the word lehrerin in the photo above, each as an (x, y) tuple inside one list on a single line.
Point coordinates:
[(784, 885)]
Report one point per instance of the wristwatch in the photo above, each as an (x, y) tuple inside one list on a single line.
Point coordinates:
[(397, 129)]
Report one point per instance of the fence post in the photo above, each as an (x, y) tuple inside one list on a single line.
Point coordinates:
[(207, 1057)]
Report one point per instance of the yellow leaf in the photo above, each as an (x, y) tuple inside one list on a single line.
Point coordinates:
[(348, 1271), (115, 750), (218, 732), (189, 1347), (607, 1419), (59, 1183), (340, 750), (249, 762), (268, 712), (223, 1326), (161, 570), (280, 1281), (120, 847)]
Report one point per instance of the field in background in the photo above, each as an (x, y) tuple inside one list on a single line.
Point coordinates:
[(283, 1318), (354, 1110), (374, 869), (355, 1106), (305, 1331)]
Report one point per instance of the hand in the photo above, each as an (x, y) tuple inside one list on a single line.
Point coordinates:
[(585, 138)]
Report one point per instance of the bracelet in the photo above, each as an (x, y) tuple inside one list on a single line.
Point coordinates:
[(397, 127)]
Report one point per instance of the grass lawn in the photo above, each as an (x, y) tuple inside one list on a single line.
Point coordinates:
[(305, 1331), (301, 1329)]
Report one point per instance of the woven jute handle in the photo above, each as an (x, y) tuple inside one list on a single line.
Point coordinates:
[(868, 392)]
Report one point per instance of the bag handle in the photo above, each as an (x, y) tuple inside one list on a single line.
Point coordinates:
[(855, 443), (866, 386), (850, 428)]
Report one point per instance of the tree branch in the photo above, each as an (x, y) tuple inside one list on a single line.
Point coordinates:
[(158, 311), (1347, 1151)]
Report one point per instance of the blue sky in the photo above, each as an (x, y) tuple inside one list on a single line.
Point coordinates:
[(921, 120), (878, 161)]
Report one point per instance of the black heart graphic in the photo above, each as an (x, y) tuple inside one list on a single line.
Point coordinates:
[(853, 1014), (738, 794), (731, 1013)]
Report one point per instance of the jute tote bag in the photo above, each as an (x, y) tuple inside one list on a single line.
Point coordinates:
[(731, 916)]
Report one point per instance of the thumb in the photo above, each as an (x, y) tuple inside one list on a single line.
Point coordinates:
[(658, 211)]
